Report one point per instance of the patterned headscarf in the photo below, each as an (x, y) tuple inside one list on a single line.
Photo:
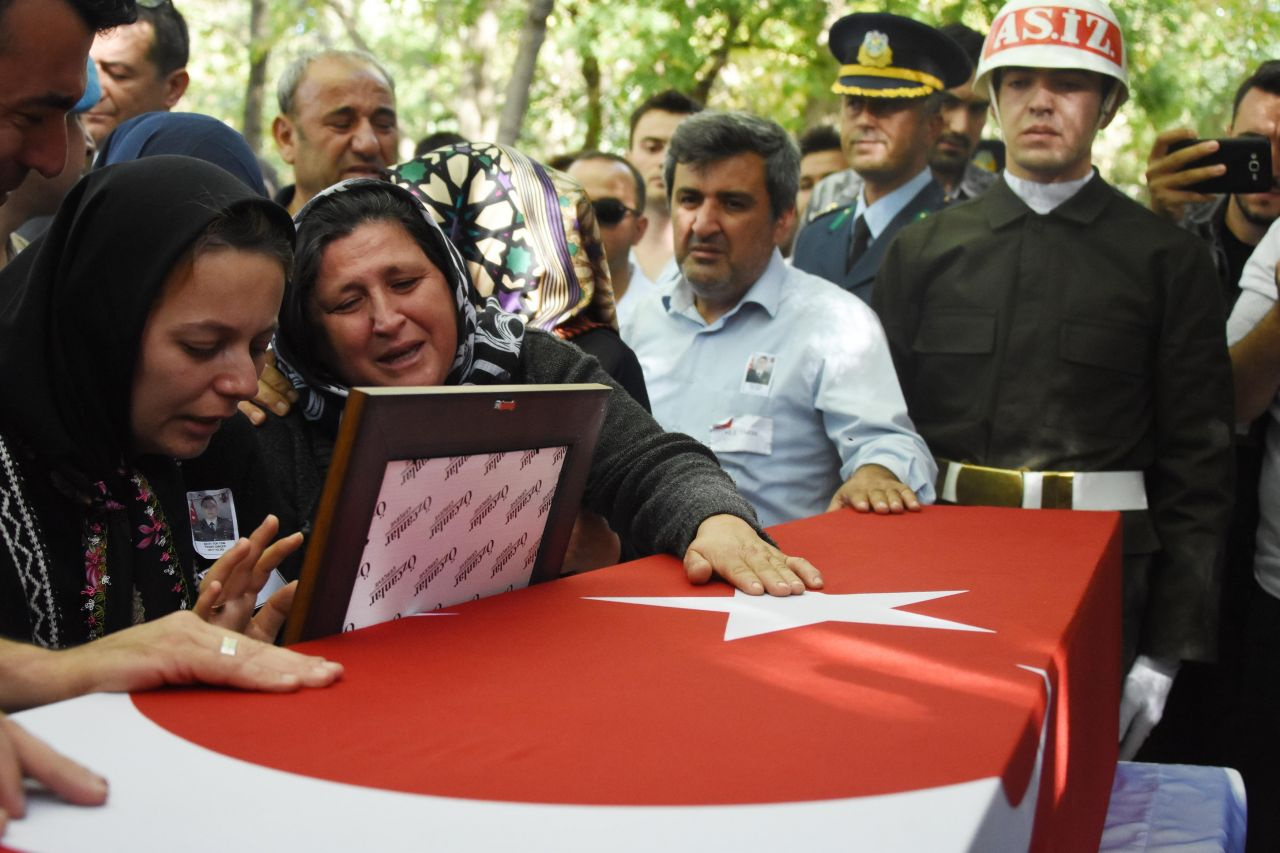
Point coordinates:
[(489, 338), (528, 233)]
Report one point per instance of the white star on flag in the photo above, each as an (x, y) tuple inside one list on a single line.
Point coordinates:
[(750, 615)]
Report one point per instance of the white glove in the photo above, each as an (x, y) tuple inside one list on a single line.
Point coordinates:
[(1146, 689)]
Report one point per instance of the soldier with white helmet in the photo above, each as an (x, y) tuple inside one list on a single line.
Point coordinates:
[(1060, 346)]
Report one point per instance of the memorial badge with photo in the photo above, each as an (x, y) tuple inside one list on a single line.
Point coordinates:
[(213, 522), (759, 374)]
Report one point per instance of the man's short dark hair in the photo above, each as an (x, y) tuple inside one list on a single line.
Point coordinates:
[(821, 137), (1266, 78), (439, 139), (209, 499), (561, 162), (667, 101), (714, 136), (636, 177), (97, 14), (170, 43), (296, 72), (970, 40)]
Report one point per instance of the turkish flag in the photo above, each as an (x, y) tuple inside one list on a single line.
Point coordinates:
[(955, 686), (553, 695)]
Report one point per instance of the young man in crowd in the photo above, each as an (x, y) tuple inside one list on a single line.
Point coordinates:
[(142, 68), (652, 125), (1233, 226), (1058, 347)]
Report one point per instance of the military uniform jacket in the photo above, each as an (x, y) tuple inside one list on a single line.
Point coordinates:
[(822, 246), (1086, 339)]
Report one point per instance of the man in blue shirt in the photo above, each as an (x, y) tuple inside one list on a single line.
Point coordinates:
[(892, 75), (785, 376)]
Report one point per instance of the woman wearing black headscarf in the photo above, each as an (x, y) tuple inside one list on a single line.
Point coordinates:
[(127, 333), (381, 297)]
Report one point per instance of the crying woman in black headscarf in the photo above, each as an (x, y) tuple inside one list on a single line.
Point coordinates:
[(127, 333)]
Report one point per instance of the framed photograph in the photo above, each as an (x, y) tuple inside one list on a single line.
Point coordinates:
[(436, 496)]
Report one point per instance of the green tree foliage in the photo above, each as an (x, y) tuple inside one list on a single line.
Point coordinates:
[(453, 59)]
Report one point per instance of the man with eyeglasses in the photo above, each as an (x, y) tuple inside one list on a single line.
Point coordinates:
[(142, 67), (893, 72), (616, 189)]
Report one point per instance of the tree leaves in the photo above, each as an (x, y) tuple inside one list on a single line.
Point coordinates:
[(452, 59)]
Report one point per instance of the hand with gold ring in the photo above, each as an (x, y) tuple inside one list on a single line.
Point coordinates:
[(180, 648)]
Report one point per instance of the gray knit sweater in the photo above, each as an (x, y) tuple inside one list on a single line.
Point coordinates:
[(654, 487)]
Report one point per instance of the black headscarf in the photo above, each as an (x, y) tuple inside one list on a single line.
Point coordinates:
[(72, 311), (188, 134), (489, 338)]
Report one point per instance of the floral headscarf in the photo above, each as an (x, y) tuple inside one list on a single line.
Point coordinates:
[(528, 233)]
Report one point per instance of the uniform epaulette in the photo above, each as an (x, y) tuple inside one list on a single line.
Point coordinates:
[(842, 211)]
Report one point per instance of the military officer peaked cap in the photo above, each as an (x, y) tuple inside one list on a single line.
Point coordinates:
[(889, 56)]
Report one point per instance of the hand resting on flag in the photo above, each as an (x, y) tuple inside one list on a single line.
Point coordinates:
[(875, 488), (728, 547), (179, 648), (22, 756)]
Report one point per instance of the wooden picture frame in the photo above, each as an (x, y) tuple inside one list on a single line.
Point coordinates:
[(449, 426)]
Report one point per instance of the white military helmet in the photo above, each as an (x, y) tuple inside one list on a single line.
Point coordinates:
[(1078, 34)]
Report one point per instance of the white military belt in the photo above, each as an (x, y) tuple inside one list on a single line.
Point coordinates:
[(977, 485)]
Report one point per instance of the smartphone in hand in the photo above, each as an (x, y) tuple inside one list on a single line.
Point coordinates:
[(1248, 162)]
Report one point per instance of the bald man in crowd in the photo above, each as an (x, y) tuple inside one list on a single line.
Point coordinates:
[(337, 120)]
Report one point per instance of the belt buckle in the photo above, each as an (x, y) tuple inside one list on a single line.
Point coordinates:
[(980, 486), (1057, 490)]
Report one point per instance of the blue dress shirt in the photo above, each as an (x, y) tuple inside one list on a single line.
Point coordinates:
[(793, 388)]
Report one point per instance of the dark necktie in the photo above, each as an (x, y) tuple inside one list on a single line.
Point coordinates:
[(858, 244)]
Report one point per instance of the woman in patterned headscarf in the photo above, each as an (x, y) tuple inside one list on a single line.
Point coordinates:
[(380, 297), (528, 236)]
